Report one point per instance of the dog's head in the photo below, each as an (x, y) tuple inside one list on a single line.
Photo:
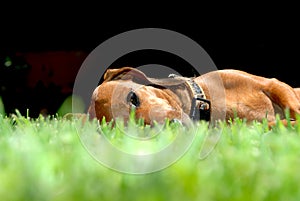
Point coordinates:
[(127, 88)]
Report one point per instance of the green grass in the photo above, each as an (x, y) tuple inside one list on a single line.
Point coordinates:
[(46, 159)]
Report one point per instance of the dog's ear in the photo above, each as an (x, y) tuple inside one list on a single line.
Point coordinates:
[(128, 73), (125, 73)]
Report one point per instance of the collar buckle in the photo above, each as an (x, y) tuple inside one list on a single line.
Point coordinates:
[(200, 109)]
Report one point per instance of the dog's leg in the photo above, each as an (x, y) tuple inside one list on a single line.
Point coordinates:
[(286, 97), (283, 95), (283, 121)]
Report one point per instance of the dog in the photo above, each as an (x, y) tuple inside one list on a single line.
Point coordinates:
[(217, 95)]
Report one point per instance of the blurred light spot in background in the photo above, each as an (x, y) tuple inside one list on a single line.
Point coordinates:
[(2, 110), (66, 106)]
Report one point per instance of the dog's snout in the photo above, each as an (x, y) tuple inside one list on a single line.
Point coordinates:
[(133, 99), (176, 121)]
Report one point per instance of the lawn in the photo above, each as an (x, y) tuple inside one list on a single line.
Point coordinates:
[(57, 159)]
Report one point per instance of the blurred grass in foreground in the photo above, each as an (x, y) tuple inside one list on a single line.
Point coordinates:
[(44, 159)]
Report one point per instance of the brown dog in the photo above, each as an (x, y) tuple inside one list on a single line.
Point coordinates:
[(222, 94)]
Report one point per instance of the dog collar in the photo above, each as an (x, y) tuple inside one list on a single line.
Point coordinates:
[(200, 106)]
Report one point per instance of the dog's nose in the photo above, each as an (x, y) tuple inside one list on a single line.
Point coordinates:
[(176, 121), (185, 120)]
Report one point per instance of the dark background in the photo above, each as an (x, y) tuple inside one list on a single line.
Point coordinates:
[(47, 49)]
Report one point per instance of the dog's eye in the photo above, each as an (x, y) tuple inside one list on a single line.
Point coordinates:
[(133, 99)]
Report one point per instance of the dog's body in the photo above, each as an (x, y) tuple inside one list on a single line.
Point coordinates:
[(297, 90), (232, 93)]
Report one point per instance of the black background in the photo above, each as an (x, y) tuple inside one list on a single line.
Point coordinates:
[(260, 40)]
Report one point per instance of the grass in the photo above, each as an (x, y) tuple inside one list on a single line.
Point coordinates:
[(52, 159)]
